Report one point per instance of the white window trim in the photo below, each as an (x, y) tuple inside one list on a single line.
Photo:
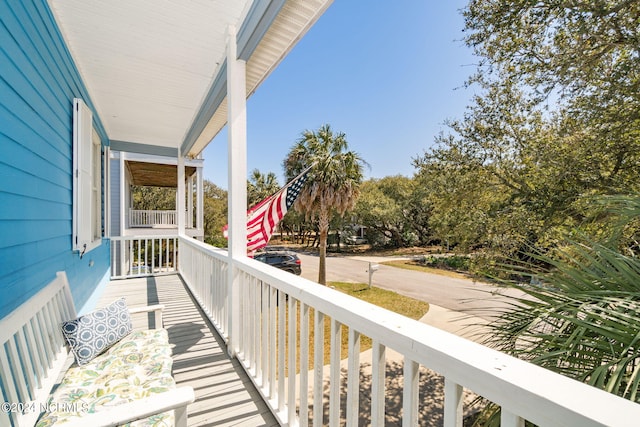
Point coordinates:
[(87, 181)]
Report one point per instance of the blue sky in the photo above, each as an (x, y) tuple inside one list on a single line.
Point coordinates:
[(387, 74)]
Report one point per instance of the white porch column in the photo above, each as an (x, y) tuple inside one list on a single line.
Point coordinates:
[(237, 166), (124, 186), (180, 199), (199, 199), (190, 202), (124, 210)]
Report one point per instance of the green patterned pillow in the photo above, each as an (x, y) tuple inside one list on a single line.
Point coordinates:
[(91, 334)]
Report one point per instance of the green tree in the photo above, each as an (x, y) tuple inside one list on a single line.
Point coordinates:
[(548, 129), (385, 208), (556, 125), (575, 49), (294, 225), (333, 183), (418, 213), (583, 55), (153, 198), (215, 214), (260, 186)]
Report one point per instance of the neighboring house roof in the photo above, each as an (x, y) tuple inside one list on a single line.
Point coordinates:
[(156, 69)]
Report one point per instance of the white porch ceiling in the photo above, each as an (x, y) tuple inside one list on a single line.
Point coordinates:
[(155, 69)]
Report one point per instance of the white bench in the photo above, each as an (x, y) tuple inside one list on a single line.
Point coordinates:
[(33, 355)]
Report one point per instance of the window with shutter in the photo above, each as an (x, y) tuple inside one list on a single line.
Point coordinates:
[(87, 204)]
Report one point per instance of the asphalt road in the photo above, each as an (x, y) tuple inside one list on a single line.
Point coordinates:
[(479, 299)]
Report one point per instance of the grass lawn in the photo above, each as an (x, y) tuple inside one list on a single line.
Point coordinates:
[(390, 300)]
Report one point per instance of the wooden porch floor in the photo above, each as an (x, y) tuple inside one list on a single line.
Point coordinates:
[(225, 396)]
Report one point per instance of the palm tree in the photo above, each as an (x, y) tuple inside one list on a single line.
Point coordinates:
[(333, 182), (581, 315), (260, 186)]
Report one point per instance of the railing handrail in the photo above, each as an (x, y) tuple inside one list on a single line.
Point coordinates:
[(151, 217), (153, 210), (503, 379), (220, 254), (145, 237), (521, 388)]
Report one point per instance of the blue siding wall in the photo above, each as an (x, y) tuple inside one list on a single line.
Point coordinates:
[(38, 81)]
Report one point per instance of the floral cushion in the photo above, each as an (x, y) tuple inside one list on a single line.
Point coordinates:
[(136, 367)]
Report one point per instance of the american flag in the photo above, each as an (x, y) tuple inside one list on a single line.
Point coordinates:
[(263, 217)]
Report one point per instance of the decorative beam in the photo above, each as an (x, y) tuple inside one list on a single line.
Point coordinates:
[(134, 147), (258, 20)]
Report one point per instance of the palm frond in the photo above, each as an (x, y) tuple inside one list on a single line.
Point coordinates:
[(582, 320)]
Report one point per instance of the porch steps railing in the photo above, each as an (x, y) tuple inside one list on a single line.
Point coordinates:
[(272, 312), (134, 256), (152, 218)]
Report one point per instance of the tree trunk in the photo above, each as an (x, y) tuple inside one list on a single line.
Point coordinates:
[(323, 226)]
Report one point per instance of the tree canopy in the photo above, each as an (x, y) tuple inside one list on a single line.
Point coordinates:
[(555, 121), (150, 198), (548, 154), (392, 212)]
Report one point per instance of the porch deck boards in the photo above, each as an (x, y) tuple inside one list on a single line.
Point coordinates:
[(225, 396)]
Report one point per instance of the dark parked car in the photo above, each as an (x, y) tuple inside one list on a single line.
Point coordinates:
[(284, 260)]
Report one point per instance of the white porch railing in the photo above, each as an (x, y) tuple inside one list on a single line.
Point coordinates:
[(272, 303), (134, 256), (152, 218)]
